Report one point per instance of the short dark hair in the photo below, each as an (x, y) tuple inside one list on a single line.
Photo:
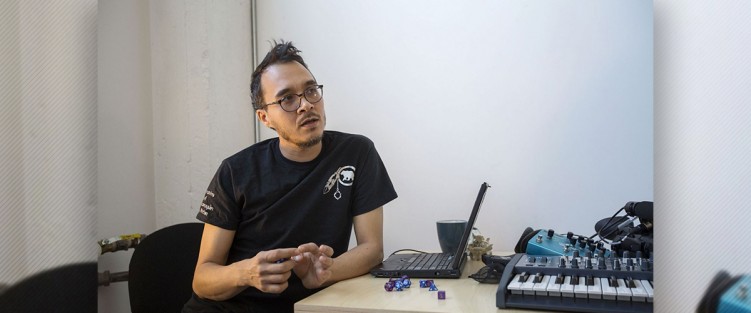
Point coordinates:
[(281, 52)]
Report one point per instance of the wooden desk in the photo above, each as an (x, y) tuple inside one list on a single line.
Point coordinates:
[(366, 294)]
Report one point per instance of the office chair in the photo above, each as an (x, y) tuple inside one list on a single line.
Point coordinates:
[(68, 288), (160, 274)]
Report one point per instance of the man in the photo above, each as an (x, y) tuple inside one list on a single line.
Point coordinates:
[(279, 214)]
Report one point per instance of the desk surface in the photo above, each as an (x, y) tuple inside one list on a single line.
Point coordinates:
[(366, 294)]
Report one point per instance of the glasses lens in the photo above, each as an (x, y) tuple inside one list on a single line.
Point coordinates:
[(313, 94), (290, 103)]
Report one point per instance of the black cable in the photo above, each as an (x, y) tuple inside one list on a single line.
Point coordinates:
[(602, 238), (411, 250)]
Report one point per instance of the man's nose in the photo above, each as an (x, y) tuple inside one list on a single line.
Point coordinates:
[(304, 105)]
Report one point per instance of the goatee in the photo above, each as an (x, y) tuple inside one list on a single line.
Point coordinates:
[(310, 142)]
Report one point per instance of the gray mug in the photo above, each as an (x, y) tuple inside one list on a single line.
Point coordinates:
[(450, 234)]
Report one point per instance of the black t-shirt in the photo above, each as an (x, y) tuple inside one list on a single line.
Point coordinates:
[(271, 202)]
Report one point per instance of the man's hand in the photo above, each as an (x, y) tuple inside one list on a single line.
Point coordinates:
[(313, 264), (268, 271)]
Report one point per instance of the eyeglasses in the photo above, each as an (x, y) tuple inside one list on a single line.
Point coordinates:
[(292, 102)]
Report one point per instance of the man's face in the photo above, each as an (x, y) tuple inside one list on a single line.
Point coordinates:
[(303, 127)]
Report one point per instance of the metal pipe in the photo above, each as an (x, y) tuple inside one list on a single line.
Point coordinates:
[(254, 60)]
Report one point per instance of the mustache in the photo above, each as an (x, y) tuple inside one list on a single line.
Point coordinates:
[(308, 117)]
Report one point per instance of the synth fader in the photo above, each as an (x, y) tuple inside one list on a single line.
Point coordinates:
[(578, 283)]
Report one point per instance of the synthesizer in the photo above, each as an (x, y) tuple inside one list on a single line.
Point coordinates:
[(577, 283)]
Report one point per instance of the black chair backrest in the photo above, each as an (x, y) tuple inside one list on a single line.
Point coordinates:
[(68, 288), (160, 274)]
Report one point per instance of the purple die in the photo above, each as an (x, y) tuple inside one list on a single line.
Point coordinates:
[(389, 286), (442, 295), (425, 283)]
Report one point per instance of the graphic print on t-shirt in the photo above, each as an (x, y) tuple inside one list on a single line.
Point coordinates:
[(344, 176), (206, 208)]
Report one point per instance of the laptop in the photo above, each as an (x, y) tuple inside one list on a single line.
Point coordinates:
[(432, 265)]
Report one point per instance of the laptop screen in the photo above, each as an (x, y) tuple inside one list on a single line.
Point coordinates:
[(458, 255)]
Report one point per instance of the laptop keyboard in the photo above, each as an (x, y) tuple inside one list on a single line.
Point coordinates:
[(430, 261)]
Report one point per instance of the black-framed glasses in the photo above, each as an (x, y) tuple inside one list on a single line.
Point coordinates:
[(292, 102)]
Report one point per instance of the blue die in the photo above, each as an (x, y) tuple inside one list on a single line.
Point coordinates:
[(398, 285), (433, 287), (406, 282), (425, 283)]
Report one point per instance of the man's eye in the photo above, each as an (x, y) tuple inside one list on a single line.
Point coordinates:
[(287, 99)]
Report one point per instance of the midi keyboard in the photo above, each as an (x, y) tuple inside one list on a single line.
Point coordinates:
[(577, 284)]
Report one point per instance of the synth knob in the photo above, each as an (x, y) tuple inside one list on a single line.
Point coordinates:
[(562, 262), (617, 265), (630, 263), (539, 239), (601, 263), (626, 254), (572, 240), (588, 254), (550, 233), (530, 259), (639, 254), (576, 254), (644, 264), (600, 245), (601, 253), (588, 264), (569, 235), (592, 246), (575, 263)]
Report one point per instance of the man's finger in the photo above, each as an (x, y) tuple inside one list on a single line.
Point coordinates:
[(279, 255), (326, 250), (307, 247), (325, 261)]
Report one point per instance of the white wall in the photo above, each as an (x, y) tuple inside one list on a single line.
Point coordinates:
[(548, 101), (125, 171), (201, 76), (47, 136), (702, 147), (174, 101)]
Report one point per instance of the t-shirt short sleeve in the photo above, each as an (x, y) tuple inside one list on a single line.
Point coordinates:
[(219, 207), (374, 187)]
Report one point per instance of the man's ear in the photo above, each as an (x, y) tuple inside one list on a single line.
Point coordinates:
[(263, 116)]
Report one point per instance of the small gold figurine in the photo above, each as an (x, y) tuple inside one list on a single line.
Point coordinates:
[(479, 246)]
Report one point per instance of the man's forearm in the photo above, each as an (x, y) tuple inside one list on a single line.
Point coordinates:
[(355, 262), (216, 282)]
